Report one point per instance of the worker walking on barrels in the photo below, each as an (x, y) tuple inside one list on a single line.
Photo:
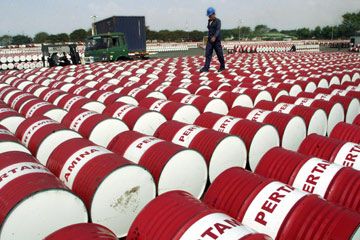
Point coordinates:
[(214, 41)]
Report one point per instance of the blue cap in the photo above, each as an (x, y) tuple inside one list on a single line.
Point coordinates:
[(210, 11)]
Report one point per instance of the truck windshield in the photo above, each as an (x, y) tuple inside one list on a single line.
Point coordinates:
[(97, 43), (104, 42)]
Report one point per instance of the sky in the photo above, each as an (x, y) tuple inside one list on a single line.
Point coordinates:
[(57, 16)]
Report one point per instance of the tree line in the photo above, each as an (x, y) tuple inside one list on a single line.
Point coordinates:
[(349, 26), (78, 35)]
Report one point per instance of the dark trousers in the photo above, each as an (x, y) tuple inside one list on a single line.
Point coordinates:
[(210, 47)]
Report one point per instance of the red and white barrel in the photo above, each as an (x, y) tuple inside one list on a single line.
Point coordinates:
[(37, 107), (70, 102), (291, 129), (172, 110), (331, 149), (346, 132), (256, 95), (114, 190), (140, 93), (172, 166), (136, 118), (350, 105), (83, 231), (50, 95), (42, 135), (9, 143), (230, 98), (315, 119), (330, 181), (94, 126), (279, 210), (31, 194), (9, 118), (334, 111), (109, 97), (221, 151), (167, 90), (190, 219), (203, 104), (258, 138), (356, 120), (18, 99)]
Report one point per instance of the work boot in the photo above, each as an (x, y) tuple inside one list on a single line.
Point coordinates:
[(221, 69), (204, 70)]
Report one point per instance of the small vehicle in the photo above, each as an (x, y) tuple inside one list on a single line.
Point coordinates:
[(60, 55)]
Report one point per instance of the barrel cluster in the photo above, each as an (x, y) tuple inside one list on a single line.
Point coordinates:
[(154, 150)]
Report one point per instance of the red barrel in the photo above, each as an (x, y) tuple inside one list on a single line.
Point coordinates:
[(140, 93), (172, 166), (258, 138), (136, 118), (256, 95), (81, 90), (83, 231), (50, 94), (37, 107), (356, 120), (19, 98), (280, 210), (70, 102), (291, 129), (230, 98), (31, 193), (346, 132), (172, 110), (177, 215), (167, 90), (9, 143), (334, 111), (9, 118), (330, 181), (98, 128), (204, 104), (334, 150), (109, 97), (113, 192), (350, 105), (221, 151), (315, 119), (64, 86), (42, 135)]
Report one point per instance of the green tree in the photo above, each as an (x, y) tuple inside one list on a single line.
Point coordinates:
[(5, 40), (350, 24), (21, 39), (303, 33), (58, 38), (78, 35), (41, 37), (261, 29), (317, 32)]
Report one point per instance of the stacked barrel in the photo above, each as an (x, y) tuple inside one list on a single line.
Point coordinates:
[(136, 144)]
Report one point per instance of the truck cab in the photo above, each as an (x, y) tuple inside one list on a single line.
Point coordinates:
[(106, 48)]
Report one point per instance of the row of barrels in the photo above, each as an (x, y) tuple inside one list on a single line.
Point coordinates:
[(158, 150)]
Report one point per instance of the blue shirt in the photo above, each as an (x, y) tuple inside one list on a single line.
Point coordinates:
[(214, 29)]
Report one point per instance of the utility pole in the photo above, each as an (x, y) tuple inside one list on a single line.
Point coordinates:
[(240, 22), (187, 30), (93, 29)]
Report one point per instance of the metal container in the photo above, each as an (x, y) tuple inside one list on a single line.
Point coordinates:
[(132, 26)]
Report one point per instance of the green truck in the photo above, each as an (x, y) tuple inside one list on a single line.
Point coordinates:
[(106, 48), (117, 38)]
